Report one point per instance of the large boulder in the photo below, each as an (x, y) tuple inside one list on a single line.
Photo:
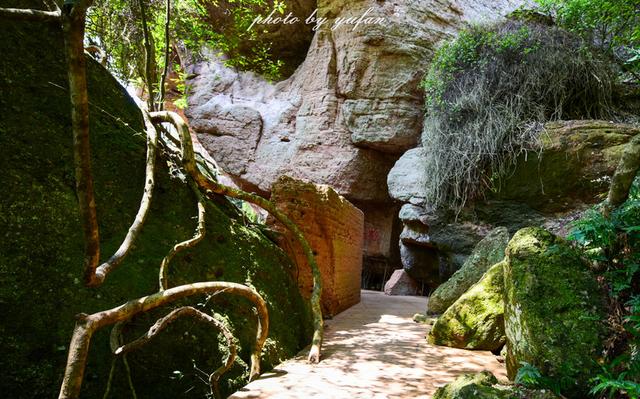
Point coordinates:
[(421, 264), (476, 319), (41, 250), (406, 178), (554, 309), (573, 167), (485, 385), (487, 253), (401, 283)]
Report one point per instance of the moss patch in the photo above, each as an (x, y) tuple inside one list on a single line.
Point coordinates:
[(484, 385), (554, 309), (476, 319), (41, 248), (487, 253)]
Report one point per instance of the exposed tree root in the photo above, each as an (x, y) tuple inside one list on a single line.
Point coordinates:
[(625, 174), (73, 25), (199, 236), (211, 186), (136, 227), (87, 325), (162, 323)]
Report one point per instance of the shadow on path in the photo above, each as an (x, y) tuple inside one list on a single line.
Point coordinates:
[(373, 350)]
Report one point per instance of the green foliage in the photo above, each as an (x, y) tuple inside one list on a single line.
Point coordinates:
[(614, 25), (487, 93), (530, 377), (622, 375), (115, 26), (223, 25), (614, 244), (182, 87)]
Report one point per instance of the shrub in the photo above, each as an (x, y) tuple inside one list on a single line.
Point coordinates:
[(613, 25), (487, 93)]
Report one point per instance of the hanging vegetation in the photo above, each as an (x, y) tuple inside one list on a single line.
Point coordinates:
[(488, 93)]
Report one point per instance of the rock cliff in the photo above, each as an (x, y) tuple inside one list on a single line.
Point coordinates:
[(345, 116)]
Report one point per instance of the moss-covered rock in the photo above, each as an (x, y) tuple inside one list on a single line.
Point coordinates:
[(41, 249), (573, 167), (487, 253), (476, 319), (484, 385), (553, 309)]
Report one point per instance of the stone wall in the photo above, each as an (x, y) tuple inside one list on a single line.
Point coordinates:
[(334, 228)]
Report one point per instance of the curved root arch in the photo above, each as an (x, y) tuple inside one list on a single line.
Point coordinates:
[(87, 325), (189, 311), (209, 185)]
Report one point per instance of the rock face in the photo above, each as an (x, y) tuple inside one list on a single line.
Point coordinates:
[(405, 180), (577, 159), (485, 385), (571, 172), (553, 309), (487, 253), (401, 283), (334, 229), (476, 319), (41, 258), (348, 112)]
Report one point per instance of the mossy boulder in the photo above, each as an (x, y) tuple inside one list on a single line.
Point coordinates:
[(476, 319), (41, 250), (484, 385), (554, 309), (487, 253), (573, 166)]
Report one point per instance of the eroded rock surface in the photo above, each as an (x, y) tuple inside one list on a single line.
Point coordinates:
[(348, 112), (334, 228), (571, 173)]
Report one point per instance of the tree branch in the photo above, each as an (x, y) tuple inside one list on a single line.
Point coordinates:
[(165, 71), (73, 28), (87, 325), (149, 54), (206, 184), (24, 14)]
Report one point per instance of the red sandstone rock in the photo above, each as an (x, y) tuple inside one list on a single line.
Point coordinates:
[(401, 283), (335, 230)]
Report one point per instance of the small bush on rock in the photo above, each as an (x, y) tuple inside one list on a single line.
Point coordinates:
[(487, 94)]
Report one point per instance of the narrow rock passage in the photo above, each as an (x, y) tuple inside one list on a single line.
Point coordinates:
[(373, 350)]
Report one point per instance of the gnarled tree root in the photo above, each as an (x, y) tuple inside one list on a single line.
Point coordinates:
[(211, 186), (87, 325), (107, 267), (164, 322)]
